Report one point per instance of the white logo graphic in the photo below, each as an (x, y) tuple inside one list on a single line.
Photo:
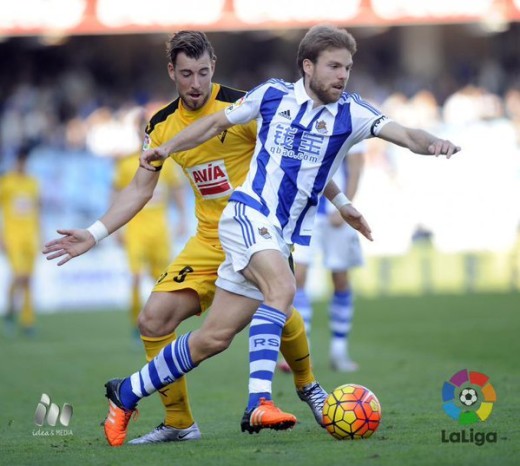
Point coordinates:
[(50, 412)]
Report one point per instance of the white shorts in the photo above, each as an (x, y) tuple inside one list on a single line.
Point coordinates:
[(242, 232), (340, 246)]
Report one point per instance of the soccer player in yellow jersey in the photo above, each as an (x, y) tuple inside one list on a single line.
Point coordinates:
[(187, 286), (20, 206), (146, 237)]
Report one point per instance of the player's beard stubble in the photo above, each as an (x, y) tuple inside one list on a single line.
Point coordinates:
[(326, 93)]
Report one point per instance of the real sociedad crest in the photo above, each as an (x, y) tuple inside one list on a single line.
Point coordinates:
[(264, 232), (321, 127)]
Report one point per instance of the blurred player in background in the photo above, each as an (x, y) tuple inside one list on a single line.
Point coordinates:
[(20, 206), (338, 245), (187, 286), (147, 237)]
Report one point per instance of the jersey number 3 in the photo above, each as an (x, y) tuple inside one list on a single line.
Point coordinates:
[(182, 274)]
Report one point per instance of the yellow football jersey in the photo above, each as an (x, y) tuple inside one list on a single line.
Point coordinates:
[(19, 201), (214, 168)]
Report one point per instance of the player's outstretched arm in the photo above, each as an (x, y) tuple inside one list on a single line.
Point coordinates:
[(73, 243), (125, 206), (417, 140), (192, 136)]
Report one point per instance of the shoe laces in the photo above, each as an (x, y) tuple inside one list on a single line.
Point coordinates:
[(160, 427), (133, 414), (314, 393)]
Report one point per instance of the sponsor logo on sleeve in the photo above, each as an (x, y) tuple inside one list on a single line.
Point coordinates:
[(147, 143), (235, 105)]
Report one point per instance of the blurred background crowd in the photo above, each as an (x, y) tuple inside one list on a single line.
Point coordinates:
[(59, 93), (438, 225)]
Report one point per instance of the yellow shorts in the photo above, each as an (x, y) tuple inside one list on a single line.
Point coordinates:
[(194, 268), (148, 252), (21, 252)]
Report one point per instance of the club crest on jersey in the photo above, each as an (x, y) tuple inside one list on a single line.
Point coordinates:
[(211, 179), (222, 136), (321, 127), (264, 233)]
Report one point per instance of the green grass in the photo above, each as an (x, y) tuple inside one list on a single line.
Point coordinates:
[(406, 347)]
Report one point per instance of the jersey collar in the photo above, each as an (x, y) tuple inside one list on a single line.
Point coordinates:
[(302, 97)]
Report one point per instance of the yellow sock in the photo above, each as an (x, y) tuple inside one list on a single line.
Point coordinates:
[(136, 305), (174, 397), (295, 350), (27, 314)]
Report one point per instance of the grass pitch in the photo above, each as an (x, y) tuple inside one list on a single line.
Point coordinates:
[(406, 348)]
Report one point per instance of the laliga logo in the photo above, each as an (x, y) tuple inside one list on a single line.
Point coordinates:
[(462, 393), (468, 398)]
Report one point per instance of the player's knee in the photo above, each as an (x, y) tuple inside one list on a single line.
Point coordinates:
[(280, 294), (155, 324), (145, 324)]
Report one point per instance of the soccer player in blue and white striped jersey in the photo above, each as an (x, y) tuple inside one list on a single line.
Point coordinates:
[(305, 129), (329, 231)]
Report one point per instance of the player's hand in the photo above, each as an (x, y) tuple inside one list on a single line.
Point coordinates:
[(354, 218), (73, 243), (153, 155), (443, 147)]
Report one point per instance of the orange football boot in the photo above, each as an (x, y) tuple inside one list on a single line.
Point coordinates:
[(118, 417), (266, 416)]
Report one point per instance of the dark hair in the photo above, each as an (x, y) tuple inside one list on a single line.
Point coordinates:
[(320, 38), (193, 43)]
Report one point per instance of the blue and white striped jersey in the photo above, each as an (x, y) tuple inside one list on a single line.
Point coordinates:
[(298, 149)]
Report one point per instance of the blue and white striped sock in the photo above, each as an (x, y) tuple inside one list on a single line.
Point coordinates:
[(302, 302), (265, 334), (341, 313), (170, 364)]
